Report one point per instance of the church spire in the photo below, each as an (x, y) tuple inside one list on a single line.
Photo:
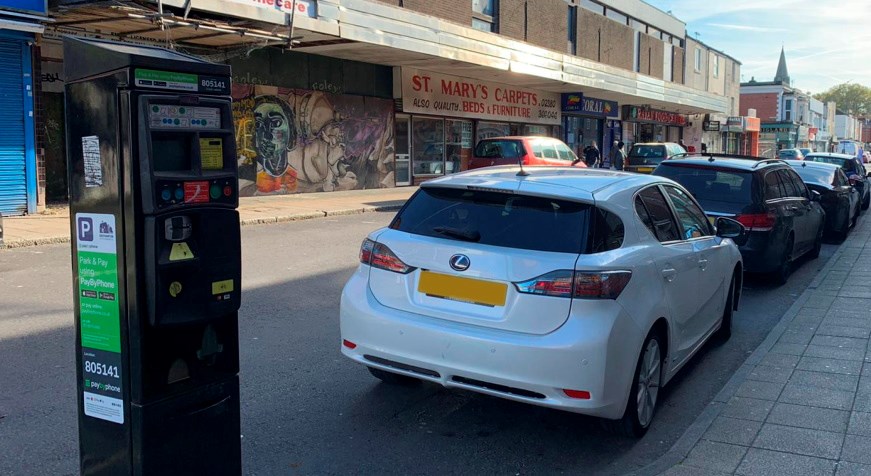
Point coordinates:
[(782, 75)]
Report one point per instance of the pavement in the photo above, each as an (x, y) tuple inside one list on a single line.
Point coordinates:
[(53, 226), (801, 403)]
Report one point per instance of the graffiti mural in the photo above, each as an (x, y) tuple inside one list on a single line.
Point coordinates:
[(296, 140)]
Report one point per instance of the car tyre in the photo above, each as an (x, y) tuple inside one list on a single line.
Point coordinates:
[(783, 272), (643, 395), (725, 330), (392, 378)]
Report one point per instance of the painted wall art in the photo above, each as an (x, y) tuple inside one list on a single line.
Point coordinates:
[(298, 140)]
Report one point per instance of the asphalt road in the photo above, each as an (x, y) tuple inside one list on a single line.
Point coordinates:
[(308, 410)]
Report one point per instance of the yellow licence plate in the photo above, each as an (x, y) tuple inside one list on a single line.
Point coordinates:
[(475, 291), (645, 170)]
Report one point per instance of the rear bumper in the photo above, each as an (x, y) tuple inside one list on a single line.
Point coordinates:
[(596, 353), (762, 253)]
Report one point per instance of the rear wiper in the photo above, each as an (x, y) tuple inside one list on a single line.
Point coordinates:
[(464, 235)]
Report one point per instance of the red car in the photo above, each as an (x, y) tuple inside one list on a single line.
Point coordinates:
[(533, 151)]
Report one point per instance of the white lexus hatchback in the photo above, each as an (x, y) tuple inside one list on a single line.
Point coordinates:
[(579, 289)]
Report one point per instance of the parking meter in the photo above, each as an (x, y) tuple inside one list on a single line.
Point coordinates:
[(156, 260)]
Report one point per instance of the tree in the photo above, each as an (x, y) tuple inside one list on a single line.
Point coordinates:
[(851, 98)]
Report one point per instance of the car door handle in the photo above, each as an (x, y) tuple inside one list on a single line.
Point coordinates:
[(794, 209), (703, 263), (669, 274)]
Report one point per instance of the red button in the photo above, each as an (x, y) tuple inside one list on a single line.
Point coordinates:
[(228, 190)]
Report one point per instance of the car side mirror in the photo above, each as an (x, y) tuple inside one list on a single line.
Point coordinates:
[(815, 196), (732, 229)]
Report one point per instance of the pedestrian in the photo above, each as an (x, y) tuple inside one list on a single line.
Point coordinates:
[(592, 155), (612, 155), (620, 157), (704, 148)]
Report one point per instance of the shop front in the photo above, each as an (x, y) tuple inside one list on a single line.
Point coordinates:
[(641, 124), (587, 120), (444, 116), (785, 134), (733, 130), (19, 188), (750, 141)]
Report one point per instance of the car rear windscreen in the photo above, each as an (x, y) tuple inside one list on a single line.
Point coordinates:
[(647, 154), (712, 185), (498, 219), (846, 164), (816, 175), (499, 149)]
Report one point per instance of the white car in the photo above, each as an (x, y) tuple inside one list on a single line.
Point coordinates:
[(578, 289)]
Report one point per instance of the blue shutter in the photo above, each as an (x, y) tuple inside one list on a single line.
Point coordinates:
[(13, 183)]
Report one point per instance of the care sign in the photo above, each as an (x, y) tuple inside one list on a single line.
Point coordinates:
[(433, 93), (99, 315)]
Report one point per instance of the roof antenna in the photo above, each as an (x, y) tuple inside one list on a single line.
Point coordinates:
[(522, 172)]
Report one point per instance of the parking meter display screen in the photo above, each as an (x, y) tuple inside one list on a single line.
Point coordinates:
[(171, 153)]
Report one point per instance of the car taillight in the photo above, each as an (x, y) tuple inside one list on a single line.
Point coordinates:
[(577, 284), (379, 256), (757, 221)]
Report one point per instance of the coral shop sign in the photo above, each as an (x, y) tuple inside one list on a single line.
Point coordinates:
[(424, 92)]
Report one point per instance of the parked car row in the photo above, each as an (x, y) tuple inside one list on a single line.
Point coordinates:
[(578, 289)]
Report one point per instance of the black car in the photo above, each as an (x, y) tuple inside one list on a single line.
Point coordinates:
[(839, 199), (784, 219), (853, 168)]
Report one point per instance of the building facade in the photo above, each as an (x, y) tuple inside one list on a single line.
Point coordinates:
[(383, 94), (713, 71)]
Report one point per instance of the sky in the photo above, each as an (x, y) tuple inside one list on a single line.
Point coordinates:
[(827, 42)]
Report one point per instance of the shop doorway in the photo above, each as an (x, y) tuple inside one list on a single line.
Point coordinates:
[(402, 158)]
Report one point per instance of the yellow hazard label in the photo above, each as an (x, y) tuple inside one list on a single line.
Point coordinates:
[(221, 287), (175, 288), (180, 252)]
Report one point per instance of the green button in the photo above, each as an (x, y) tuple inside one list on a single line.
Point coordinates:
[(215, 191), (155, 108), (181, 110)]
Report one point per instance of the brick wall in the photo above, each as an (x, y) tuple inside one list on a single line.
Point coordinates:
[(548, 24), (604, 40), (459, 11), (677, 64), (512, 19), (764, 103)]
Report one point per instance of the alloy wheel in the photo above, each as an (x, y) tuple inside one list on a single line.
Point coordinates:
[(649, 377)]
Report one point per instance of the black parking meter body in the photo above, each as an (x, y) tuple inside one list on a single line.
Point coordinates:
[(156, 260)]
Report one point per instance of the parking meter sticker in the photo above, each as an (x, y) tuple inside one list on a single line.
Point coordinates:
[(196, 192), (97, 263), (92, 161)]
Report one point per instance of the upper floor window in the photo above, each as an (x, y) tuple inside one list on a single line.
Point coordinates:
[(716, 66), (484, 13), (734, 71), (617, 16), (573, 30), (593, 6), (698, 59)]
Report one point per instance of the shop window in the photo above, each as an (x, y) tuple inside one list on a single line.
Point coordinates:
[(428, 146), (484, 14), (485, 130), (458, 145)]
